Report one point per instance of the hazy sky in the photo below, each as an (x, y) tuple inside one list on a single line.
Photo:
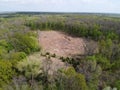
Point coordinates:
[(108, 6)]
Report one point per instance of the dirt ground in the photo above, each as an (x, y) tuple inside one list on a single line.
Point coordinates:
[(60, 43)]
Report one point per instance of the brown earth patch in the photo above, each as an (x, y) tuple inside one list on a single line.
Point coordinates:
[(60, 43)]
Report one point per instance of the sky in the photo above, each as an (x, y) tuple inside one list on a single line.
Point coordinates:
[(99, 6)]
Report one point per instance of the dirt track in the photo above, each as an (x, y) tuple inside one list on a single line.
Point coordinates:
[(60, 43)]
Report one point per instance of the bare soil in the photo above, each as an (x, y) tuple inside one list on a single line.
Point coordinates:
[(60, 43)]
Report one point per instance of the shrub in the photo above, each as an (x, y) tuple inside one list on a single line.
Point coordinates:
[(17, 56), (6, 72), (4, 43)]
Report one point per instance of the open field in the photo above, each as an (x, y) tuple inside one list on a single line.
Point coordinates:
[(61, 44)]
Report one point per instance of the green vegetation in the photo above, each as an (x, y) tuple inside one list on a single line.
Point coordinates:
[(24, 43), (6, 72), (98, 70)]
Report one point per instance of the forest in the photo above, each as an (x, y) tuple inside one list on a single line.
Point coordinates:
[(20, 66)]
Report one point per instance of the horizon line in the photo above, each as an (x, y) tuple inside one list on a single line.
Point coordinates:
[(2, 12)]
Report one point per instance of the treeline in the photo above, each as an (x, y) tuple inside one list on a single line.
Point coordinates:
[(83, 28)]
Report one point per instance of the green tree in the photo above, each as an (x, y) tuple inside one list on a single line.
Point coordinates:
[(24, 43), (106, 48), (6, 72), (71, 80), (117, 84), (30, 68)]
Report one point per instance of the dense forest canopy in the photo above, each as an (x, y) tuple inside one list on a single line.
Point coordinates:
[(98, 70)]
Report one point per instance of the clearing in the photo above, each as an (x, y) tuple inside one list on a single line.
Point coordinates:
[(60, 43)]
